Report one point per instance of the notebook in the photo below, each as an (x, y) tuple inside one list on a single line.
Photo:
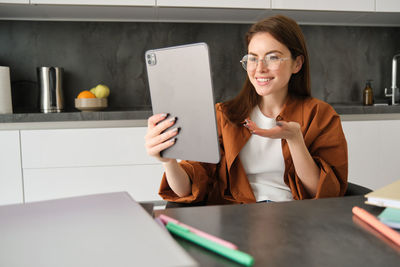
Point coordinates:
[(98, 230), (387, 196), (390, 217), (180, 85)]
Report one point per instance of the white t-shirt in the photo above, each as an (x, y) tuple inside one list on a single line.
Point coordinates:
[(263, 162)]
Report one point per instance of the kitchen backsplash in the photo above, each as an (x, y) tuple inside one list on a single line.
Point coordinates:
[(112, 53)]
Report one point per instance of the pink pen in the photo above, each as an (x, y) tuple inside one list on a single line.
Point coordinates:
[(165, 219)]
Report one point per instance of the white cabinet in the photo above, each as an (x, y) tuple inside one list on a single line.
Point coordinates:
[(69, 162), (325, 5), (80, 10), (96, 2), (374, 149), (226, 11), (84, 147), (14, 1), (337, 12), (46, 164), (251, 4), (140, 181), (317, 12), (10, 168), (387, 5)]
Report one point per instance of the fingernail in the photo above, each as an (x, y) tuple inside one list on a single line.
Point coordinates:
[(172, 140), (172, 119), (163, 115), (175, 129)]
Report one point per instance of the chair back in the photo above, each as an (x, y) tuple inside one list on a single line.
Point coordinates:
[(356, 190)]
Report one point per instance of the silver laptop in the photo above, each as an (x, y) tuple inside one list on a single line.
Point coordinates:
[(97, 230), (180, 85)]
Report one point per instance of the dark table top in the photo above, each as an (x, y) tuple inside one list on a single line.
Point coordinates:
[(299, 233)]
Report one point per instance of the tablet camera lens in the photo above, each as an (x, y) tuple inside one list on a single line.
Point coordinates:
[(151, 59)]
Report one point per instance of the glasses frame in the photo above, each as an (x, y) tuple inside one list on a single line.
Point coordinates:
[(264, 60)]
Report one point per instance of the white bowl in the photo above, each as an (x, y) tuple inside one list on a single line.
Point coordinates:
[(90, 104)]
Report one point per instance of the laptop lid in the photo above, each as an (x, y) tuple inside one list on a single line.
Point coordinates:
[(98, 230)]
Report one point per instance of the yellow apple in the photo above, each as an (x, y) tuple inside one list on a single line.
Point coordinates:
[(101, 91)]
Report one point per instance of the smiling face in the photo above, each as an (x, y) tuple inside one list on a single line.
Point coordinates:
[(266, 81)]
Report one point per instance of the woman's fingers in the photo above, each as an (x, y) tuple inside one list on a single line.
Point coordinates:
[(281, 130), (155, 150), (274, 132), (161, 138), (158, 137), (155, 119), (249, 124), (162, 124)]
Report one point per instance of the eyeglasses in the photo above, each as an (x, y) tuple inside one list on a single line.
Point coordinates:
[(272, 62)]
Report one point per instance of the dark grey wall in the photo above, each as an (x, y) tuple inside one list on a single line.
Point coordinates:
[(342, 58)]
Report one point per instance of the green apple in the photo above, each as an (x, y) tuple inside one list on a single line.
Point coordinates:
[(101, 91)]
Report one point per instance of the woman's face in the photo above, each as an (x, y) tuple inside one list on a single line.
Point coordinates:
[(272, 75)]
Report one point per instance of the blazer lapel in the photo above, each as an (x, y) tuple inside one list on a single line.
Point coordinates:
[(236, 137)]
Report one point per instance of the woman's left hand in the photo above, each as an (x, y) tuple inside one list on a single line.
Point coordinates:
[(282, 130)]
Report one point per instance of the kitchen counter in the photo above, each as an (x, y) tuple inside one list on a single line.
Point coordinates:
[(138, 118), (75, 116), (360, 109), (65, 120)]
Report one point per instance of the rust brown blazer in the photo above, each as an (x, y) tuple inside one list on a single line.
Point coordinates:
[(226, 182)]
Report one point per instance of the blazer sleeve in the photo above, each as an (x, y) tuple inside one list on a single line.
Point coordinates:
[(327, 145), (200, 175)]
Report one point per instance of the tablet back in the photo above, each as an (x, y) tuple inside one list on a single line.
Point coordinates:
[(180, 85)]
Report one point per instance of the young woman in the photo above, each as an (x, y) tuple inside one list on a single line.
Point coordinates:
[(277, 143)]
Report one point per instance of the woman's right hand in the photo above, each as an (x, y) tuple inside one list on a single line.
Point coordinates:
[(157, 139)]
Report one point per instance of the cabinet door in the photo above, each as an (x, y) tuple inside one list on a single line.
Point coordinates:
[(388, 5), (253, 4), (10, 168), (69, 162), (140, 181), (222, 11), (373, 148), (14, 2), (325, 5), (97, 2), (84, 147)]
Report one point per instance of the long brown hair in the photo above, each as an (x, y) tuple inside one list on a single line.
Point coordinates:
[(287, 32)]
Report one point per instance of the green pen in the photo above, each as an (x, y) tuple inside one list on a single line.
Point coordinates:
[(229, 253)]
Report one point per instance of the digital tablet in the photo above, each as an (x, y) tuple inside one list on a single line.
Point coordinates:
[(181, 86)]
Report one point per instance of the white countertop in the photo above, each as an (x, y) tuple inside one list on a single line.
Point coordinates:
[(72, 124)]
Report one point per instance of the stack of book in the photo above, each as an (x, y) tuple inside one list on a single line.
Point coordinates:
[(389, 219), (388, 197)]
